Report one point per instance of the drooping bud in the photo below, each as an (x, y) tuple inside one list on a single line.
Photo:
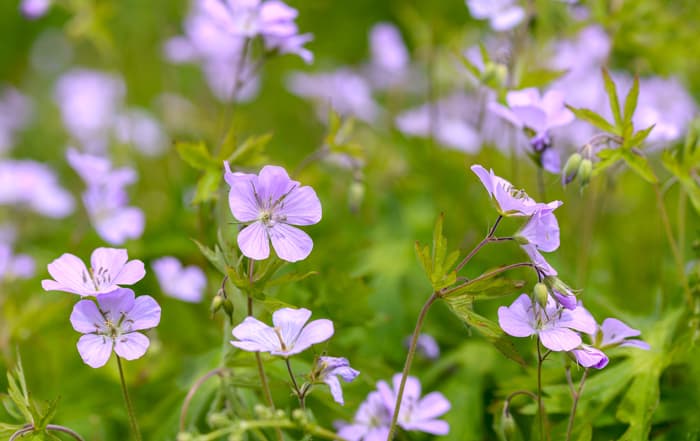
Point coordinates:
[(562, 293), (541, 294), (585, 170), (509, 428), (571, 168)]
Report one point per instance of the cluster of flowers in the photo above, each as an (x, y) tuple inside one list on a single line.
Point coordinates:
[(555, 314)]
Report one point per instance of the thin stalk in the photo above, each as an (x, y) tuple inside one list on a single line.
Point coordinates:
[(258, 359), (575, 395), (300, 394), (540, 406), (677, 256), (50, 427), (486, 275), (478, 246), (127, 400), (193, 390), (409, 360), (278, 424)]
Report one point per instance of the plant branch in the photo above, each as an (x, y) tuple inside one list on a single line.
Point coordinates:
[(478, 246), (127, 400), (193, 390)]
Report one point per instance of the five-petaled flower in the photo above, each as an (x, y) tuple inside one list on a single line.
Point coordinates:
[(108, 269), (290, 334), (328, 369), (111, 324), (612, 333), (272, 202), (555, 326), (371, 422)]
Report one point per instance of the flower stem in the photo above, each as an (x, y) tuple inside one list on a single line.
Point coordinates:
[(540, 406), (409, 360), (127, 400), (300, 394), (575, 395), (49, 427), (195, 387), (483, 242), (484, 276)]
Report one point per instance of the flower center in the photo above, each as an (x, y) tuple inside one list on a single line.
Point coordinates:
[(279, 337)]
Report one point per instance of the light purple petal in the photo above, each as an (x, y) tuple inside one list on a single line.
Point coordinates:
[(255, 336), (579, 319), (117, 303), (86, 318), (145, 314), (539, 261), (531, 117), (315, 332), (431, 406), (131, 346), (485, 177), (289, 322), (559, 339), (336, 390), (290, 243), (242, 198), (301, 207), (254, 242), (588, 356), (542, 230), (113, 261), (551, 161), (505, 113), (615, 331), (435, 427), (507, 19), (131, 273), (639, 344), (273, 183), (70, 274), (517, 319), (94, 349)]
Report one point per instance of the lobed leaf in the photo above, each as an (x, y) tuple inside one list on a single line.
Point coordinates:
[(614, 102), (593, 118)]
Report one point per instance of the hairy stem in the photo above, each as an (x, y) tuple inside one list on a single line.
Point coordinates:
[(193, 390), (486, 275), (127, 400), (299, 393), (409, 360), (478, 246), (575, 395), (49, 427)]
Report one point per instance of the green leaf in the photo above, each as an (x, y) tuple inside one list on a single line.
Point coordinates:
[(486, 288), (196, 154), (638, 138), (540, 77), (290, 278), (611, 90), (630, 106), (640, 165), (585, 433), (593, 118), (461, 306), (251, 152), (215, 256), (207, 186)]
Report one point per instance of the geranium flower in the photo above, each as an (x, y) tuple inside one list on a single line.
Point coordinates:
[(416, 413), (108, 269), (371, 422), (590, 357), (290, 334), (328, 369), (554, 325), (612, 333), (503, 15), (184, 283), (541, 230), (113, 326), (272, 202)]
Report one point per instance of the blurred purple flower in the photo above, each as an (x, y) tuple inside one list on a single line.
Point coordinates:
[(184, 283), (30, 183), (425, 345), (293, 44), (33, 9), (416, 413), (14, 266), (666, 104), (140, 129), (272, 202), (343, 90), (389, 66), (371, 422), (509, 200), (553, 325), (15, 112), (329, 369), (503, 15), (89, 101), (109, 268), (290, 334), (248, 18), (113, 326), (541, 230)]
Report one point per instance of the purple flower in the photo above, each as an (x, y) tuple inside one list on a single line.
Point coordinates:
[(293, 44), (290, 334), (371, 422), (32, 184), (272, 202), (113, 325), (590, 357), (509, 200), (389, 53), (33, 9), (248, 18), (426, 346), (542, 230), (140, 129), (503, 15), (612, 333), (553, 325), (14, 266), (15, 113), (416, 413), (561, 292), (328, 369), (541, 265), (108, 269), (186, 284)]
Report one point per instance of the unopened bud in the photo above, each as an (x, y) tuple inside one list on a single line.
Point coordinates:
[(571, 168), (216, 303), (218, 419), (494, 74), (509, 428), (356, 194), (541, 294), (228, 307), (585, 170)]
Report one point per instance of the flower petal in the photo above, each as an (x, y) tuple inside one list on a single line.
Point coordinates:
[(110, 260), (86, 318), (242, 199), (301, 207), (315, 332), (435, 427), (145, 314), (94, 349), (517, 319), (588, 356), (615, 331), (290, 243), (579, 319), (70, 274), (255, 336), (131, 346), (559, 339), (431, 406), (336, 390), (273, 183), (117, 303), (289, 322), (253, 241)]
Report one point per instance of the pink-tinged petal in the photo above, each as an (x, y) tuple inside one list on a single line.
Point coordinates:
[(290, 243), (70, 274), (254, 242), (435, 427), (218, 12), (255, 336), (273, 183), (131, 346), (289, 322), (86, 318), (431, 406), (145, 314), (579, 319), (588, 356), (242, 198), (301, 207), (517, 319), (94, 349), (615, 331), (315, 332), (117, 303), (559, 339), (639, 344)]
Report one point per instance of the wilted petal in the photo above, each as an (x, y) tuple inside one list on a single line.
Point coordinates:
[(254, 242), (336, 390), (131, 346), (290, 243), (94, 349)]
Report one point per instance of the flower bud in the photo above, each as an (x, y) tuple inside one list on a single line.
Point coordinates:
[(216, 304), (571, 168), (494, 74), (218, 419), (356, 194), (509, 428), (585, 170), (541, 294)]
